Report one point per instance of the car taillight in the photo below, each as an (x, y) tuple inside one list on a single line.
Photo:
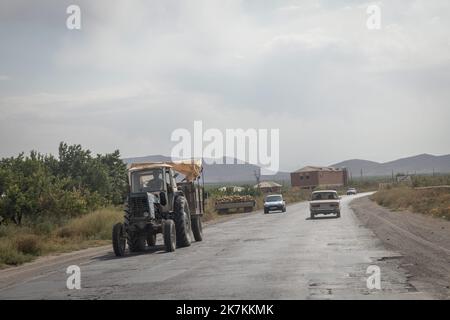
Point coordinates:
[(315, 205)]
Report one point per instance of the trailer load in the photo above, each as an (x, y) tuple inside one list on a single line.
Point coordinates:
[(235, 202)]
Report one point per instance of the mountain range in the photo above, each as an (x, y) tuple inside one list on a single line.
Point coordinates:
[(245, 173), (420, 164)]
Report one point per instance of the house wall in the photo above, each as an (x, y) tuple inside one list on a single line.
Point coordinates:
[(329, 178), (304, 179), (317, 178)]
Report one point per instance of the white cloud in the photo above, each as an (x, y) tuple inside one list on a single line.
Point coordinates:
[(49, 103), (313, 39)]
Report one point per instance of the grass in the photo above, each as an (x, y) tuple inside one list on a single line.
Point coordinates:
[(20, 244), (210, 214), (427, 180), (434, 201), (93, 226)]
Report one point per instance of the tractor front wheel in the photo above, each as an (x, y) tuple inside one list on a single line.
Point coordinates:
[(169, 235), (197, 229), (182, 222), (119, 239), (136, 242), (151, 239)]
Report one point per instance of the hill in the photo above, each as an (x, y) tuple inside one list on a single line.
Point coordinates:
[(420, 164)]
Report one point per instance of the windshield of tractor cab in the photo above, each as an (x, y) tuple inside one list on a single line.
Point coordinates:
[(147, 181), (325, 196)]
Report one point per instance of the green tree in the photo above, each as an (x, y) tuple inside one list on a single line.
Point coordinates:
[(39, 185)]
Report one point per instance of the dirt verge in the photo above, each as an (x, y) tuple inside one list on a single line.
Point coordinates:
[(423, 241)]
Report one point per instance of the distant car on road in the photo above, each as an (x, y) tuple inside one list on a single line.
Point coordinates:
[(351, 191), (325, 202), (274, 202)]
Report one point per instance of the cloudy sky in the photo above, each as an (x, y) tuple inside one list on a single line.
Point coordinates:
[(137, 70)]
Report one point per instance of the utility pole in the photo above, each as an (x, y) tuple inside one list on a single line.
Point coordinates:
[(257, 173)]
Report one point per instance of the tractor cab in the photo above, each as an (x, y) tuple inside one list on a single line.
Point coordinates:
[(157, 179)]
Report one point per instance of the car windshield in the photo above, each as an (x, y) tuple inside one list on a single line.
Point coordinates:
[(147, 181), (273, 198), (324, 196)]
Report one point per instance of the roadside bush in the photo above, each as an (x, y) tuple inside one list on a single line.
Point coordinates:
[(9, 255), (19, 244), (435, 202), (6, 231), (44, 227), (427, 180), (96, 225), (28, 244)]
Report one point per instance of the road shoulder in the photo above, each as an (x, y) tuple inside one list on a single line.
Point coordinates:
[(423, 241)]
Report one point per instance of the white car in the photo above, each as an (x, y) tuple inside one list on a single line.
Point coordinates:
[(325, 202), (351, 191), (274, 202)]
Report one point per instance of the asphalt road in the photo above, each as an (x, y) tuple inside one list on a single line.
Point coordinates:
[(254, 256)]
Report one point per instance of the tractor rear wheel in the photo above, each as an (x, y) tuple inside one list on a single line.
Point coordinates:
[(169, 235), (119, 239), (182, 222), (197, 228)]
